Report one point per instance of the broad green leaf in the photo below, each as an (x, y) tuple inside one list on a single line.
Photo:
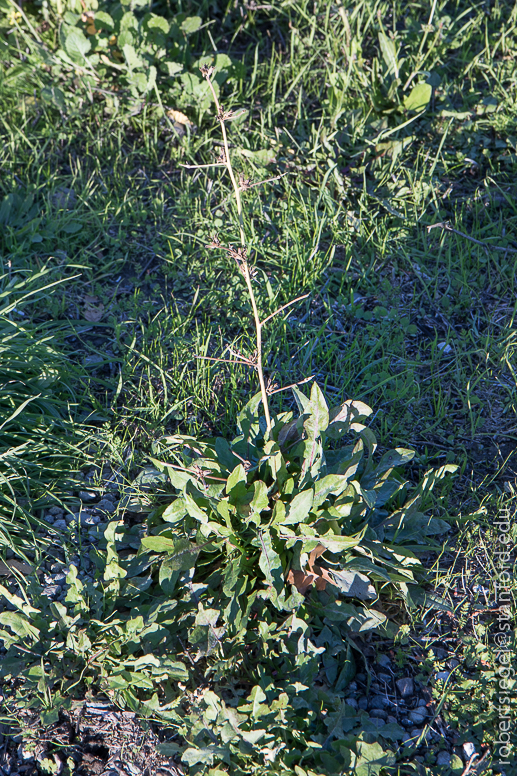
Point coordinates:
[(19, 624), (133, 61), (248, 418), (175, 511), (19, 603), (237, 475), (330, 485), (393, 458), (269, 561), (353, 584), (194, 510), (371, 758), (151, 78), (224, 454), (318, 419), (158, 543), (157, 23), (338, 544), (299, 507), (53, 95), (389, 54), (103, 19), (419, 97), (191, 24), (262, 157), (260, 498), (77, 45)]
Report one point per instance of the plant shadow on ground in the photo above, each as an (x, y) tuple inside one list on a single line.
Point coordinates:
[(418, 324)]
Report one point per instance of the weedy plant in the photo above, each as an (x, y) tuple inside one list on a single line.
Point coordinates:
[(232, 617)]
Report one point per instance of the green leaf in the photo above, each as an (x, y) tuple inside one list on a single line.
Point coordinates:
[(194, 510), (158, 543), (299, 507), (270, 562), (72, 227), (77, 45), (157, 23), (151, 78), (53, 95), (132, 59), (237, 475), (389, 54), (419, 97), (184, 556), (19, 624), (353, 584), (263, 157), (191, 24), (318, 419), (371, 758), (260, 498), (330, 485), (103, 19), (175, 511)]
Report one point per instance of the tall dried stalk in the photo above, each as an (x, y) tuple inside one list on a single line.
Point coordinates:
[(242, 258), (240, 254)]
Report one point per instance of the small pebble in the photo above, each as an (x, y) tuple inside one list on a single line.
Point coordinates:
[(383, 660), (106, 505), (406, 722), (60, 525), (385, 678), (351, 702), (453, 663), (417, 716), (421, 702), (443, 758), (468, 750), (392, 720), (377, 722), (60, 579), (363, 702), (407, 739), (443, 675), (70, 517), (51, 591), (379, 713), (87, 495), (56, 511), (405, 686), (378, 702), (352, 686), (361, 677)]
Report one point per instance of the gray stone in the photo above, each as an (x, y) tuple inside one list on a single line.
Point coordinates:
[(405, 686), (406, 722), (379, 713), (351, 702), (417, 716), (443, 675), (383, 660), (421, 702), (407, 740), (440, 653), (87, 495), (377, 722), (363, 702), (106, 505), (391, 720), (385, 678), (60, 579), (50, 591), (60, 525), (468, 750), (87, 518), (453, 663), (352, 686), (56, 511), (443, 758), (70, 517), (378, 702)]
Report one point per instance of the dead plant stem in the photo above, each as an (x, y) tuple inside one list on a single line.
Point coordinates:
[(244, 264)]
